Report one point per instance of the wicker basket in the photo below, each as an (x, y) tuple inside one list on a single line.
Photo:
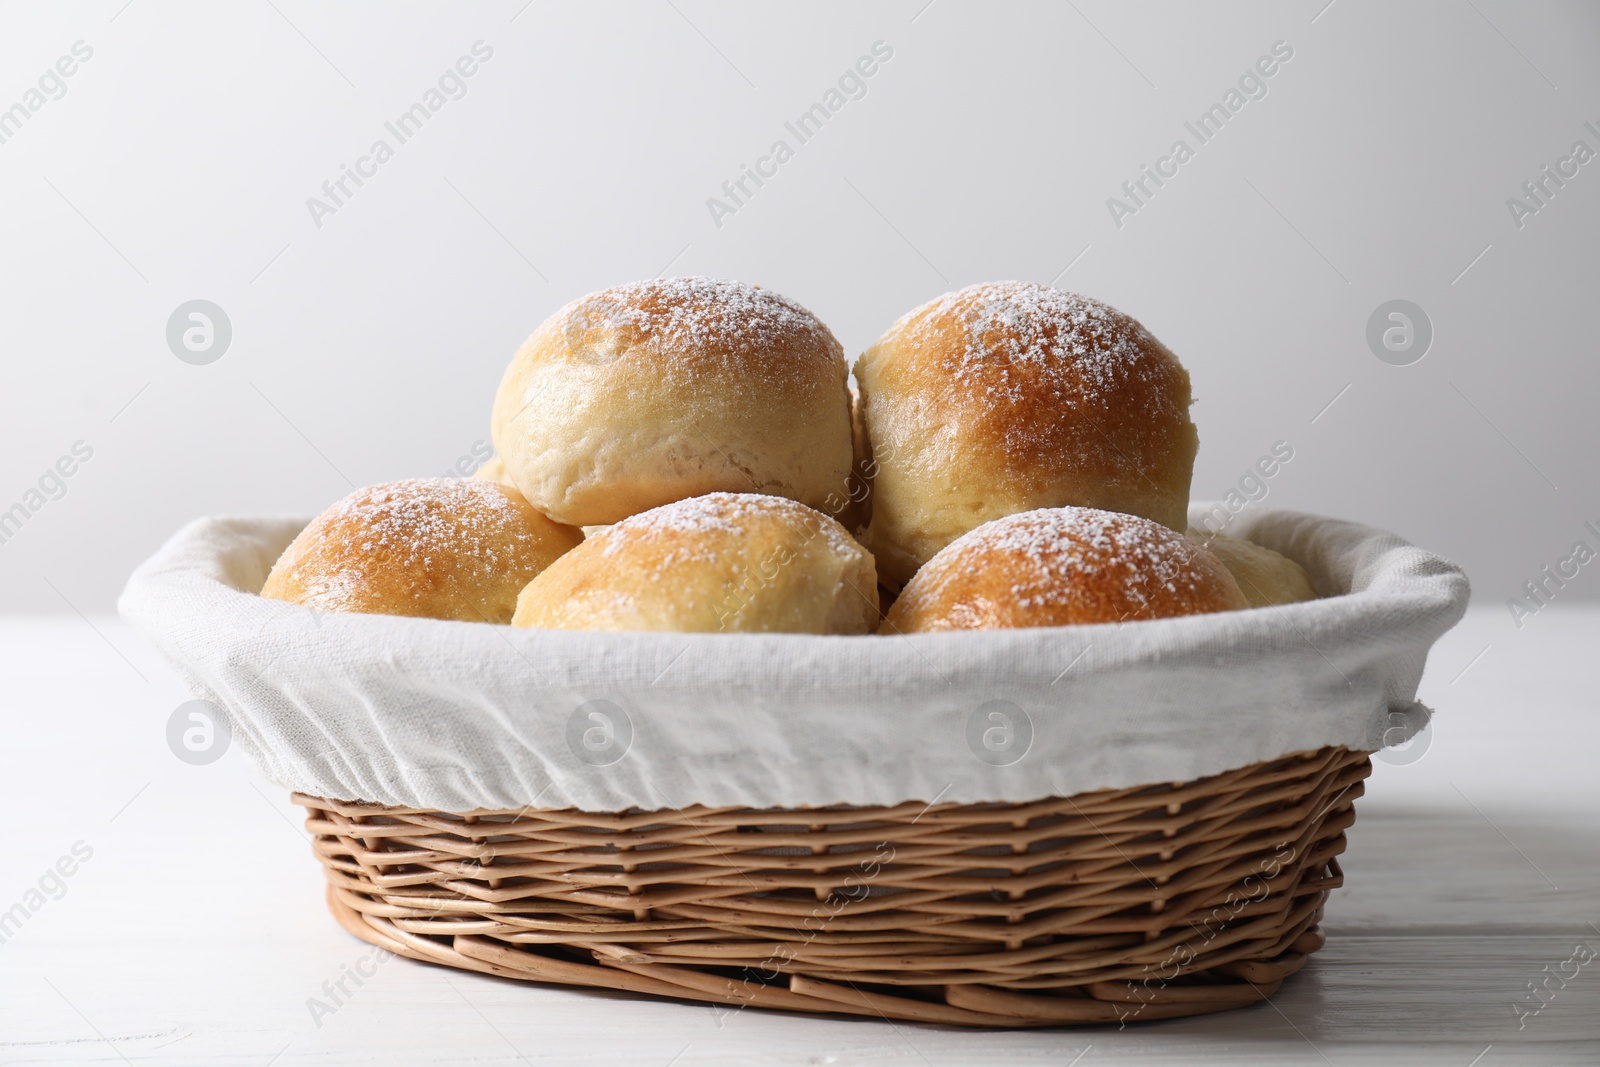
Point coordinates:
[(1121, 905)]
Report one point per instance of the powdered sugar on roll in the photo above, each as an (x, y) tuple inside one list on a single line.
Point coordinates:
[(1010, 396), (642, 394), (445, 548), (722, 562), (1064, 566)]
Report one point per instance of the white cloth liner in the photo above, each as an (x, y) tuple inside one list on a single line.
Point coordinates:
[(460, 716)]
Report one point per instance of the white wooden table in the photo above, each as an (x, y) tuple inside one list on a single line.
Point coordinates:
[(195, 933)]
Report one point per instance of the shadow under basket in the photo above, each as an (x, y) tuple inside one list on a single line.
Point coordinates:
[(1119, 905)]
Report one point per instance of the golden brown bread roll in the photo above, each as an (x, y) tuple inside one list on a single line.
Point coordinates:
[(1011, 396), (856, 509), (1060, 567), (722, 562), (440, 548), (643, 394), (1266, 577)]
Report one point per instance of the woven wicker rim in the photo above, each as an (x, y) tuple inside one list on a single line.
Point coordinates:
[(1113, 906)]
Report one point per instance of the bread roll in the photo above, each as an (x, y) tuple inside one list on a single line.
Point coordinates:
[(494, 470), (440, 548), (1011, 396), (643, 394), (1266, 577), (1060, 567), (857, 509), (722, 562)]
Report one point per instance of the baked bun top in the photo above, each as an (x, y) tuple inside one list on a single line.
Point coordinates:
[(1010, 396), (1061, 567), (1267, 578), (721, 562), (647, 393), (440, 548)]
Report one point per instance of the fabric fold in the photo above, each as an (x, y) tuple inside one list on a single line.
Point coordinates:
[(462, 716)]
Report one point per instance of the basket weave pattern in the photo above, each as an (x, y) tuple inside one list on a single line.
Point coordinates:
[(1119, 905)]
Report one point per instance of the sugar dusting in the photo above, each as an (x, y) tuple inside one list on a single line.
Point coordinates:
[(414, 519), (461, 529), (710, 318), (700, 527), (1055, 553), (1060, 380), (1084, 351)]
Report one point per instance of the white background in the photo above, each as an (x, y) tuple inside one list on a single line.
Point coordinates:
[(179, 162)]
